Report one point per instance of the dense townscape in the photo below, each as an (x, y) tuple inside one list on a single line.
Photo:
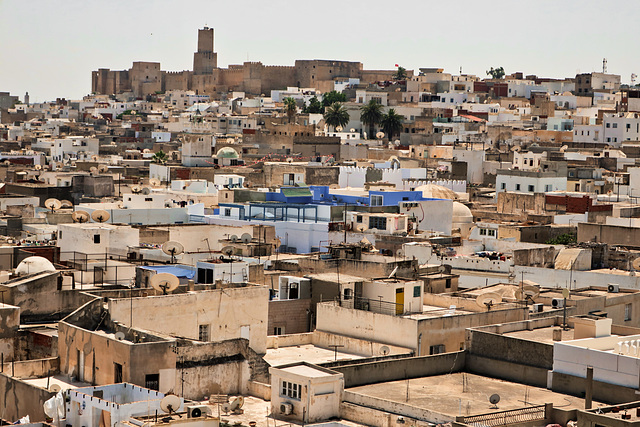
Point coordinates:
[(321, 243)]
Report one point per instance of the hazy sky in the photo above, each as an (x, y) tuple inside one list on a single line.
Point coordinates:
[(50, 47)]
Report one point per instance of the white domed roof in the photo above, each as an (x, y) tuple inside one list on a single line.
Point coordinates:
[(437, 192), (461, 213), (34, 264)]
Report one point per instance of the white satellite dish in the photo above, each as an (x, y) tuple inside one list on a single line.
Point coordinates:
[(564, 148), (352, 130), (170, 403), (400, 253), (55, 388), (237, 403), (103, 168), (488, 300), (66, 204), (228, 250), (527, 292), (8, 162), (38, 167), (80, 216), (154, 182), (393, 273), (277, 242), (93, 170), (135, 189), (384, 350), (172, 248), (233, 238), (380, 135), (246, 238), (361, 228), (226, 407), (636, 264), (164, 282), (53, 204), (120, 336), (100, 216), (94, 158), (339, 129)]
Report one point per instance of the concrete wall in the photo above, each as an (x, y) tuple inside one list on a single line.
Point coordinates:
[(561, 278), (602, 392), (18, 399), (611, 234), (508, 371)]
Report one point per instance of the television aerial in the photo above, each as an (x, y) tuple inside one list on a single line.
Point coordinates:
[(100, 216), (488, 300), (170, 403), (384, 350), (120, 336), (154, 182), (164, 282), (80, 216), (246, 238), (55, 388), (146, 191), (172, 248), (103, 168), (66, 204), (53, 204), (494, 399)]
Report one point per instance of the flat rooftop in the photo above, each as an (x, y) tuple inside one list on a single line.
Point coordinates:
[(62, 380), (306, 353), (465, 394), (307, 371), (542, 335)]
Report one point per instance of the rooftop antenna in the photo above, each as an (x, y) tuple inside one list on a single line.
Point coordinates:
[(53, 204), (164, 282), (604, 65), (100, 216), (80, 216), (488, 300), (170, 404), (634, 76), (172, 248)]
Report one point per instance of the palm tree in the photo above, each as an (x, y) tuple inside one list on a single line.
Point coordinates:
[(371, 114), (336, 115), (391, 122), (160, 157), (401, 74), (290, 107)]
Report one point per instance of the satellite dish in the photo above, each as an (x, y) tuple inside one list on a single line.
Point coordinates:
[(488, 300), (352, 130), (93, 169), (442, 269), (339, 129), (55, 388), (228, 250), (170, 403), (8, 162), (146, 191), (566, 293), (80, 216), (100, 216), (289, 160), (380, 135), (120, 336), (564, 148), (246, 238), (393, 273), (66, 204), (172, 248), (53, 204), (103, 168), (146, 150), (361, 228), (494, 399), (400, 253), (94, 158), (384, 350), (237, 403), (154, 182), (135, 189), (164, 282), (233, 238), (277, 242), (636, 264), (38, 167), (226, 407)]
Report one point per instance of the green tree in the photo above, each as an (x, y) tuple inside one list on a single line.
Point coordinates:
[(160, 157), (370, 115), (290, 107), (336, 115), (313, 107), (391, 122), (332, 97), (400, 74), (496, 73), (563, 239)]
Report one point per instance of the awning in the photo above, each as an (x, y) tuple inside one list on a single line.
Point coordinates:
[(296, 192)]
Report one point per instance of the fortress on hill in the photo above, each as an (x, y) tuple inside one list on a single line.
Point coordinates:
[(145, 78)]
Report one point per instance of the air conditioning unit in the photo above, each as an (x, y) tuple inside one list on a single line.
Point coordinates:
[(557, 303), (537, 308), (613, 288), (286, 408), (197, 411)]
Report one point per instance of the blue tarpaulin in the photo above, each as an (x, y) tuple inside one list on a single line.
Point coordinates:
[(172, 269)]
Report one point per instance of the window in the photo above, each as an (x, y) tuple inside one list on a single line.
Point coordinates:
[(483, 231), (294, 292), (359, 218), (203, 332), (447, 284), (517, 187), (491, 232), (547, 188), (608, 125), (227, 212), (60, 234), (148, 199), (615, 125), (377, 222), (436, 349), (531, 188), (117, 373), (96, 238), (503, 186), (348, 293), (152, 381), (292, 390), (376, 200), (278, 330), (627, 312), (416, 291)]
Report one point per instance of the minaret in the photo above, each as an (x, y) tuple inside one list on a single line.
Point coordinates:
[(26, 98), (205, 59)]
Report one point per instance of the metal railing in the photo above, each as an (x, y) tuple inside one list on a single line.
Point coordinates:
[(505, 418), (374, 305)]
